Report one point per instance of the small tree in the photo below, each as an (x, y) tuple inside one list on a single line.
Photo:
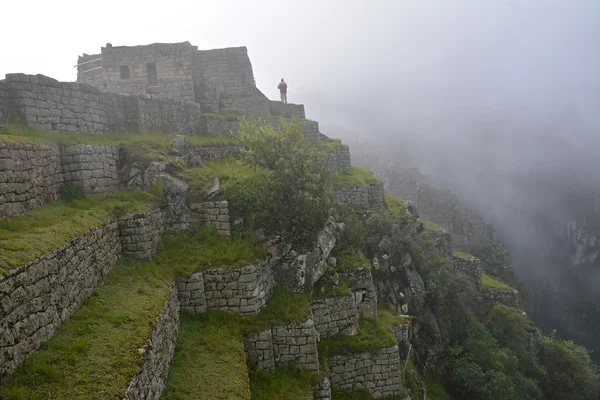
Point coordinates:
[(298, 169)]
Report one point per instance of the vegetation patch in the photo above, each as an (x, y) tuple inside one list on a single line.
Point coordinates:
[(329, 145), (233, 176), (490, 283), (325, 289), (436, 391), (372, 337), (209, 361), (355, 176), (395, 204), (462, 254), (206, 249), (284, 308), (94, 355), (285, 383), (350, 259), (27, 237), (432, 226)]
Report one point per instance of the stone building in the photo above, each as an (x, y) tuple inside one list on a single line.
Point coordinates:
[(175, 70)]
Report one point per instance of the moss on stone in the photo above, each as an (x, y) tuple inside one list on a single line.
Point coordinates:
[(490, 283), (209, 361), (27, 237), (355, 176), (94, 354)]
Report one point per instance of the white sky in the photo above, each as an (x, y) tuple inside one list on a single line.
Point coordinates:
[(380, 60)]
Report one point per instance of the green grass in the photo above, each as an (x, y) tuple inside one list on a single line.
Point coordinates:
[(372, 337), (94, 355), (200, 180), (209, 361), (206, 249), (27, 237), (329, 145), (462, 254), (432, 226), (355, 176), (490, 283), (285, 307), (436, 391), (285, 383), (395, 204), (350, 259)]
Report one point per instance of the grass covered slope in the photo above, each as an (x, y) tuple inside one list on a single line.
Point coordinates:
[(355, 176), (94, 355), (285, 383), (27, 237), (490, 283), (209, 362)]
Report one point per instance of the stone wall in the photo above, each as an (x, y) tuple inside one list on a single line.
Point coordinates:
[(231, 65), (471, 267), (141, 233), (150, 380), (93, 167), (214, 214), (363, 290), (368, 196), (402, 332), (37, 297), (378, 374), (277, 108), (322, 391), (251, 105), (241, 290), (342, 154), (217, 151), (172, 62), (296, 344), (488, 298), (259, 350), (335, 315), (31, 176), (46, 104), (169, 116), (216, 126), (4, 106)]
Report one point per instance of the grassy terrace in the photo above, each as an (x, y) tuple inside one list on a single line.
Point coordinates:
[(355, 176), (372, 337), (209, 362), (462, 254), (395, 204), (490, 283), (350, 259), (27, 237), (229, 171), (285, 383), (432, 226), (94, 354)]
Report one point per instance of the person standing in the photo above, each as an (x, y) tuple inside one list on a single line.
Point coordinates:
[(283, 91)]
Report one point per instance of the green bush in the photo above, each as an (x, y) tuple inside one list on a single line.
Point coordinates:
[(298, 202), (70, 192)]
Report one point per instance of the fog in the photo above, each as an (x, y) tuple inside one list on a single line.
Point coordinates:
[(498, 99)]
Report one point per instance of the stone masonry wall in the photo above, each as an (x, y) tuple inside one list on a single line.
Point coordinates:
[(214, 214), (217, 151), (141, 233), (335, 315), (378, 374), (376, 196), (277, 108), (241, 290), (471, 267), (251, 105), (322, 391), (232, 65), (169, 116), (259, 350), (342, 154), (363, 290), (4, 106), (191, 293), (355, 196), (488, 298), (149, 382), (216, 126), (93, 167), (37, 297), (31, 177), (296, 344)]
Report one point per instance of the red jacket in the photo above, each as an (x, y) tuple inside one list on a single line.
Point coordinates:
[(282, 87)]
